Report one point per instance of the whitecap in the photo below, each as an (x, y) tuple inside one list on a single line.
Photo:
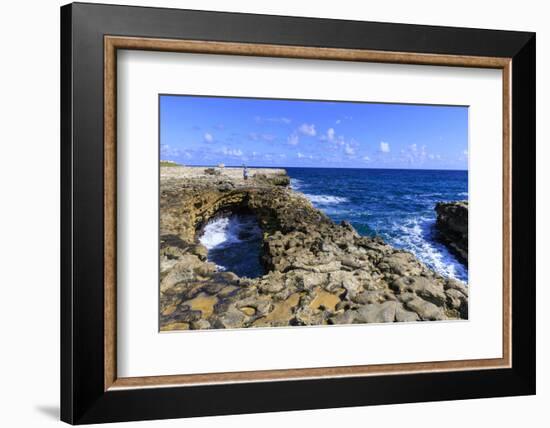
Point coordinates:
[(224, 231), (412, 237), (218, 232), (296, 184), (325, 199)]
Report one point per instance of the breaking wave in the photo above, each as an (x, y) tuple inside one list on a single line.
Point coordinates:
[(234, 244), (325, 199), (417, 236)]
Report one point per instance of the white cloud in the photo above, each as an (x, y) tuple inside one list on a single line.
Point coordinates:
[(350, 151), (413, 154), (338, 122), (283, 120), (261, 137), (307, 129), (366, 158), (384, 147), (463, 156), (300, 155), (293, 139), (232, 152), (167, 151), (209, 138), (331, 137)]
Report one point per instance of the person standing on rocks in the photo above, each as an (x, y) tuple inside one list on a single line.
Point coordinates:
[(245, 172)]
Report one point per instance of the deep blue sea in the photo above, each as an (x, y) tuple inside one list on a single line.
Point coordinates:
[(397, 205)]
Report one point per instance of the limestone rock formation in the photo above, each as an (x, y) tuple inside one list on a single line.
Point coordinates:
[(317, 272), (452, 225)]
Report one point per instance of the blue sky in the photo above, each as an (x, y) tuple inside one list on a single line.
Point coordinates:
[(270, 132)]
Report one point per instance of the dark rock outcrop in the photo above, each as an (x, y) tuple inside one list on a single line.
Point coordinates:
[(318, 272), (452, 226)]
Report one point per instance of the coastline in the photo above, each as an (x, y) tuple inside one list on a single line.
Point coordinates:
[(316, 272)]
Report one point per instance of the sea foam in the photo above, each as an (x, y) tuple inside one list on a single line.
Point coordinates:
[(325, 199), (231, 242), (416, 235), (296, 184), (219, 232)]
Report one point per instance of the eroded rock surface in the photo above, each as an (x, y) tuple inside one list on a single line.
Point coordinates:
[(452, 225), (318, 272)]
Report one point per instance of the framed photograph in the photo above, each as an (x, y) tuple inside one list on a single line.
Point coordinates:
[(265, 213)]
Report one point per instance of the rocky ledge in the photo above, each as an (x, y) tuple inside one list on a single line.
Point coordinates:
[(317, 272), (452, 225)]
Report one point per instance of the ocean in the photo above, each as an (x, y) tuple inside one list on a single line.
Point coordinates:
[(397, 205)]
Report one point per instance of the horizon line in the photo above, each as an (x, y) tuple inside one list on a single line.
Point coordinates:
[(313, 167)]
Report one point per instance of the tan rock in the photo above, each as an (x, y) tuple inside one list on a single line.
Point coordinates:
[(204, 303), (248, 310), (324, 300), (402, 315), (377, 312), (175, 326), (426, 311), (316, 271), (281, 313)]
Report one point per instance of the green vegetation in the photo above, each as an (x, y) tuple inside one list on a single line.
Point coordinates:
[(169, 163)]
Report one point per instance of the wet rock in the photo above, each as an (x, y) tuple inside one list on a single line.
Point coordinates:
[(452, 225)]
